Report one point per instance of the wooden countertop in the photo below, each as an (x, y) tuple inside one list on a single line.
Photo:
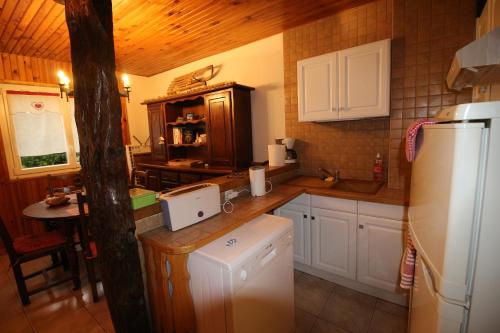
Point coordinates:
[(193, 237), (247, 208), (166, 167), (384, 195)]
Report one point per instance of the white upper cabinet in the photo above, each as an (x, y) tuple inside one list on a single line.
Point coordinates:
[(317, 86), (349, 84), (364, 80)]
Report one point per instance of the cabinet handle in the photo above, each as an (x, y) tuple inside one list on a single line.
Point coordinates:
[(361, 226), (305, 216), (313, 218)]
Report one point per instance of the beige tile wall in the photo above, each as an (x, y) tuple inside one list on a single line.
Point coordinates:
[(425, 36)]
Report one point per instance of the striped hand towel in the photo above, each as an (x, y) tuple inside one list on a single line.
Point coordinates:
[(412, 136), (408, 264)]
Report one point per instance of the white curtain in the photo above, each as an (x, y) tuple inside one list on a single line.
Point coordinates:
[(38, 123)]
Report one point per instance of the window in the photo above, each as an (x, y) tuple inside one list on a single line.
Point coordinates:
[(38, 130)]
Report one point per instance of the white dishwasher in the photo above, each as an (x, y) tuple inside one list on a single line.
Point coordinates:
[(243, 281)]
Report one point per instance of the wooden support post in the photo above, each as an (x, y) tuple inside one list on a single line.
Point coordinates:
[(98, 119)]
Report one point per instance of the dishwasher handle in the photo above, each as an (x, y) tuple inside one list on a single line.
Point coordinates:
[(268, 257)]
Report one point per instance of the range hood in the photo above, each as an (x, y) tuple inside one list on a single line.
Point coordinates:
[(477, 63)]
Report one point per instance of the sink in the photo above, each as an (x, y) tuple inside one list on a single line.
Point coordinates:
[(344, 185), (358, 186)]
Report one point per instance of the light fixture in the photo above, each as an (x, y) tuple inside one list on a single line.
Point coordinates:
[(65, 89), (126, 87), (64, 85)]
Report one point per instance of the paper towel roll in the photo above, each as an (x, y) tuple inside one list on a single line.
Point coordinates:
[(257, 180), (276, 154)]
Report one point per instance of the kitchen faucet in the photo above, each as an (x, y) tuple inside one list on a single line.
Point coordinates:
[(324, 172)]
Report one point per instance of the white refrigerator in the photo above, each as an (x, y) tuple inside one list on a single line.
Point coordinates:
[(454, 222)]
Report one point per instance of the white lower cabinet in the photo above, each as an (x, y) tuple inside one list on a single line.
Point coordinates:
[(357, 240), (299, 214), (380, 247), (333, 241)]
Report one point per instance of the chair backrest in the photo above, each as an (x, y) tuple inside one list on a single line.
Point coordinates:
[(83, 222), (7, 241), (66, 183)]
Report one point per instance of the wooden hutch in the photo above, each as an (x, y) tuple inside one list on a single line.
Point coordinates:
[(222, 112)]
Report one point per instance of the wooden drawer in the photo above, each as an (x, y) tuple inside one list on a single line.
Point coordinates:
[(170, 176), (188, 178)]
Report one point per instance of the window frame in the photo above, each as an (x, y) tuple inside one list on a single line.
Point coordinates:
[(9, 138)]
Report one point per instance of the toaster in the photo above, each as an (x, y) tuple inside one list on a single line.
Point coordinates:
[(189, 205)]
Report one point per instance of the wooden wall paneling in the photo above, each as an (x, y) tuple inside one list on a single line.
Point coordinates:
[(2, 71), (14, 68), (6, 66)]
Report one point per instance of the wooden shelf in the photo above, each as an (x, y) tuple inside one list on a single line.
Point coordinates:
[(186, 145), (186, 122)]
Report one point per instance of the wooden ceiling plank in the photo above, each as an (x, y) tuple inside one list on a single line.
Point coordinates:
[(27, 18), (42, 46), (5, 16), (43, 31), (14, 23), (27, 37)]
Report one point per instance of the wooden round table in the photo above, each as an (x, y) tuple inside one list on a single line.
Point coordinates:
[(67, 217), (43, 212)]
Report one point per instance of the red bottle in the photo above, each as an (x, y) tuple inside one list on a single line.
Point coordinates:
[(378, 169)]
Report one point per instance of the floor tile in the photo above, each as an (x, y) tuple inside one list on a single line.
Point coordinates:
[(17, 323), (349, 310), (304, 321), (392, 308), (323, 326), (311, 293), (297, 275), (384, 322), (62, 316)]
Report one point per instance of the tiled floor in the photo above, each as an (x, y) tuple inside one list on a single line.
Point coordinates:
[(59, 309), (325, 307), (320, 307)]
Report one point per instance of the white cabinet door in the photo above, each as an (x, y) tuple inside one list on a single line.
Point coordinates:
[(364, 75), (334, 241), (317, 88), (299, 214), (380, 247)]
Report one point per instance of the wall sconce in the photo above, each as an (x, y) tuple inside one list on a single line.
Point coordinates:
[(65, 89), (64, 85), (126, 87)]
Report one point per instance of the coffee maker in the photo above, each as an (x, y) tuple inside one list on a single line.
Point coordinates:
[(291, 155)]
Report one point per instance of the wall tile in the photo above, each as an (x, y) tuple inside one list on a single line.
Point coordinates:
[(425, 35)]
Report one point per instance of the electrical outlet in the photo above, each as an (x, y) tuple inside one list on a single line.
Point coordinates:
[(230, 194)]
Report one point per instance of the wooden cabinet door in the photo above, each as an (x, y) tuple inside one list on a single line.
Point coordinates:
[(156, 118), (299, 214), (334, 241), (380, 247), (219, 126), (364, 75), (317, 88)]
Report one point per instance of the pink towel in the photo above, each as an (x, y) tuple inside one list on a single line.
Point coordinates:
[(408, 264), (412, 136)]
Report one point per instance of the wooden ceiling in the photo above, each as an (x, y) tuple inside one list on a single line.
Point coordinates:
[(152, 36)]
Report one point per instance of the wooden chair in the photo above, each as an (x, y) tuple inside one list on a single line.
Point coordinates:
[(31, 247), (64, 183), (89, 250)]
